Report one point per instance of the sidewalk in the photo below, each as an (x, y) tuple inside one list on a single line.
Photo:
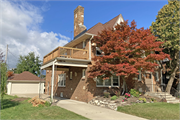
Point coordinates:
[(94, 112)]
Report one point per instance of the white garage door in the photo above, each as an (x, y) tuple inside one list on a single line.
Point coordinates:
[(25, 88)]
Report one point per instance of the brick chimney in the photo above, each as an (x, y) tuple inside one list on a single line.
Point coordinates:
[(79, 20)]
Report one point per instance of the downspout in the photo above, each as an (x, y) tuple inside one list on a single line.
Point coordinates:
[(52, 80), (90, 47)]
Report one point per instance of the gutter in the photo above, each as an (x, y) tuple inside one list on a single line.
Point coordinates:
[(78, 38)]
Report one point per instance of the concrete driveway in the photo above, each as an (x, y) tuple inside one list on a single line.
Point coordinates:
[(94, 112)]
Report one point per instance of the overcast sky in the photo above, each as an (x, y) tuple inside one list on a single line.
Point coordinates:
[(41, 26)]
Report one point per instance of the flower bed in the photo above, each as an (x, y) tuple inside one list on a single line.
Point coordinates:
[(121, 101)]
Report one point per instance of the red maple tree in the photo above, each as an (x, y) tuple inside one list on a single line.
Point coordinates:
[(126, 50), (10, 73)]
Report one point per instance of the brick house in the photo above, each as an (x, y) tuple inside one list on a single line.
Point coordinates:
[(66, 67)]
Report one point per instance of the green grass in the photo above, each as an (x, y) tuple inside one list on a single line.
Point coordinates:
[(153, 110), (24, 110)]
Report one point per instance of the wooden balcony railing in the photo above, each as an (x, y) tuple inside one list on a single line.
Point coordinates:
[(66, 52)]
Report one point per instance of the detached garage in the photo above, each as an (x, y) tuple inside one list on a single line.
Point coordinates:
[(25, 83)]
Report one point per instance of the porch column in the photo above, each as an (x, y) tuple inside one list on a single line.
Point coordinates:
[(52, 82)]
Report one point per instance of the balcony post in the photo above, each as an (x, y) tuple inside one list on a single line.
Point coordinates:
[(58, 51), (71, 53)]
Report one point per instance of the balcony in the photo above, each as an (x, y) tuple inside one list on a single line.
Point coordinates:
[(66, 52)]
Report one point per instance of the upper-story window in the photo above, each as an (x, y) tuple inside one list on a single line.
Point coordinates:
[(83, 72), (98, 51), (84, 44)]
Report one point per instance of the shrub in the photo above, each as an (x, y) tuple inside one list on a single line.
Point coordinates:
[(134, 92), (47, 104), (143, 99), (117, 92), (153, 99), (15, 96), (106, 94), (114, 97)]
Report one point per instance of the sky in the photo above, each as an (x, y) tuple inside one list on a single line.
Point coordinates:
[(41, 26)]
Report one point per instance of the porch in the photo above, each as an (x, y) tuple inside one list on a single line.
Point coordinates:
[(62, 60)]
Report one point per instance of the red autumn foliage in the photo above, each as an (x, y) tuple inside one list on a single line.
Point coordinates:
[(9, 73), (126, 50)]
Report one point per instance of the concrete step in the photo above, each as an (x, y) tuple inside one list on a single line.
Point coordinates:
[(162, 93), (171, 98), (173, 101)]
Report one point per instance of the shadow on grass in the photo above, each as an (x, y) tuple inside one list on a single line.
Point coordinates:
[(7, 103)]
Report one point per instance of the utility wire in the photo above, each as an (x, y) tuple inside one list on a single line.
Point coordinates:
[(12, 54)]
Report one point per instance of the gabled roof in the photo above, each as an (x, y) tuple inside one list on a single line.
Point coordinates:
[(26, 75), (110, 24), (95, 29)]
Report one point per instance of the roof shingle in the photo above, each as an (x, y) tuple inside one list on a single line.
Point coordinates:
[(26, 75), (99, 26)]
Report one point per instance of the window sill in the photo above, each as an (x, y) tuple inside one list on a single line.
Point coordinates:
[(106, 86), (61, 86)]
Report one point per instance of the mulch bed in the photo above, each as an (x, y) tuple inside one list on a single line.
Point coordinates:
[(19, 99)]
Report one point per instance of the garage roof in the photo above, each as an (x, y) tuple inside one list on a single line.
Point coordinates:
[(26, 75)]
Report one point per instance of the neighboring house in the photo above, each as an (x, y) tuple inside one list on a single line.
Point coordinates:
[(67, 67), (25, 83)]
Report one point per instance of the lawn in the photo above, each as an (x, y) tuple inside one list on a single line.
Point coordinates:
[(153, 110), (24, 110)]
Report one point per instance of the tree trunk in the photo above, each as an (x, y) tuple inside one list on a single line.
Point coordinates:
[(169, 85)]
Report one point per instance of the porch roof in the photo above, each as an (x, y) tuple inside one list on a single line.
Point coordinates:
[(67, 62)]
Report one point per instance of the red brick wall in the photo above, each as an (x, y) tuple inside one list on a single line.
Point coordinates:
[(75, 89), (84, 89)]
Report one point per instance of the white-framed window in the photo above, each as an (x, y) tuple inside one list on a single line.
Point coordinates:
[(139, 75), (148, 75), (156, 76), (62, 80), (83, 72), (70, 75), (98, 51), (84, 44), (113, 81)]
